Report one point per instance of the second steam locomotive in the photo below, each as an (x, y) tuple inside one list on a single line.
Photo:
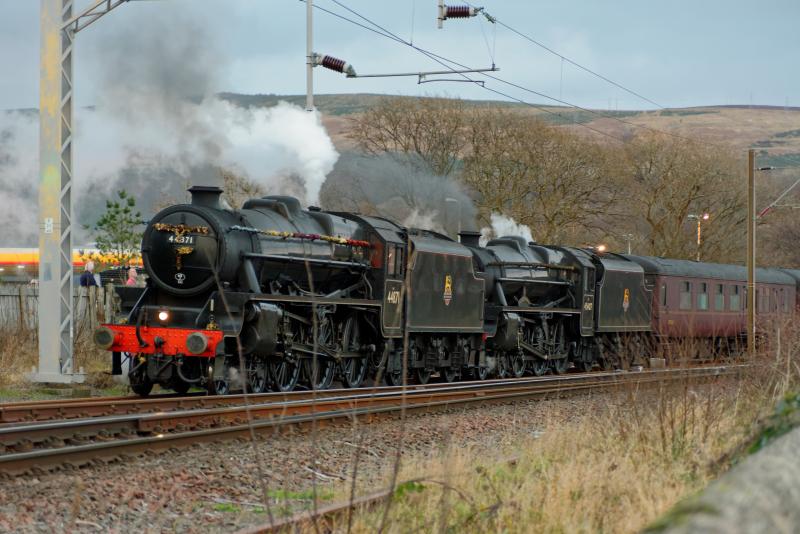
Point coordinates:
[(273, 295)]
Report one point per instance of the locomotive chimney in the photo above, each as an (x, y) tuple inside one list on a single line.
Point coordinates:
[(468, 238), (206, 196)]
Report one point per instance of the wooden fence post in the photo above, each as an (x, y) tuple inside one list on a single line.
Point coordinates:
[(22, 318), (93, 306)]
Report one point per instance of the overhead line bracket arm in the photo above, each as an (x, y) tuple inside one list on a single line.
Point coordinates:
[(91, 14)]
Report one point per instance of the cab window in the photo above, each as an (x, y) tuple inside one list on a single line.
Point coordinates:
[(399, 266), (391, 266)]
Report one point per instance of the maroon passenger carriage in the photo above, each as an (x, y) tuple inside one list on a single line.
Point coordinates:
[(708, 301)]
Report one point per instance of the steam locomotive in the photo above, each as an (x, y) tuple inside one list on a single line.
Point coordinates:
[(272, 295)]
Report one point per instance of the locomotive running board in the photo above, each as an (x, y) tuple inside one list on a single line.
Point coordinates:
[(526, 309), (298, 299)]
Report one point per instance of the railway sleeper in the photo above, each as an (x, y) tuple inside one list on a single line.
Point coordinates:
[(23, 445), (54, 442)]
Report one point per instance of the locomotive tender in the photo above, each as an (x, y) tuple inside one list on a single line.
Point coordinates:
[(272, 295)]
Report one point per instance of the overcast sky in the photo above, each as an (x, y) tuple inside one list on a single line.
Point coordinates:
[(679, 53)]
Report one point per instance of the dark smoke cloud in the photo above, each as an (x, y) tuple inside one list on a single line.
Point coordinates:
[(157, 70), (397, 187)]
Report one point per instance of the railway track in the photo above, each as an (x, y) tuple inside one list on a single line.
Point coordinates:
[(47, 410), (167, 422)]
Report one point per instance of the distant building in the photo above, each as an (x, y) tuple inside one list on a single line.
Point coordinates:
[(21, 265)]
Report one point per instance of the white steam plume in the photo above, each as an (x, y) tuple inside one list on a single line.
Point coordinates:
[(504, 226), (266, 145), (423, 220), (274, 142)]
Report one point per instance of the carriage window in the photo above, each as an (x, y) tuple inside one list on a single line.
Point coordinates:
[(734, 301), (391, 267), (663, 294), (686, 296), (702, 297), (785, 300), (719, 298)]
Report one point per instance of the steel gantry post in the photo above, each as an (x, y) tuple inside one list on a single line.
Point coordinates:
[(55, 196)]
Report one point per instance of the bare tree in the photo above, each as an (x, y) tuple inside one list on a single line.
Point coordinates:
[(428, 128), (547, 178), (669, 179), (239, 189)]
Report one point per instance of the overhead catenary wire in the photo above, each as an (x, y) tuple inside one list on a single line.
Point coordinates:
[(572, 62), (441, 60)]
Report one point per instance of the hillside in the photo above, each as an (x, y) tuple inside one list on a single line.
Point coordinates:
[(774, 130)]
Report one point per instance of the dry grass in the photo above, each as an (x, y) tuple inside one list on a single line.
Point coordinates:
[(616, 469), (19, 349), (612, 471), (19, 352)]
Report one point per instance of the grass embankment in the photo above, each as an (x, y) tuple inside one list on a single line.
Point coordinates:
[(616, 469)]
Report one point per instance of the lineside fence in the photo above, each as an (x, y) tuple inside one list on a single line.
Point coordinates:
[(19, 306)]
